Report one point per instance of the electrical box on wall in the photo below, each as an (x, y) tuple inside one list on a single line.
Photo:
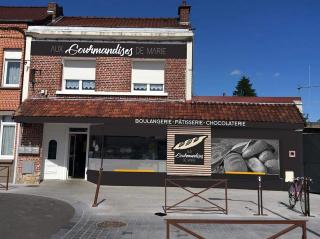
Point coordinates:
[(27, 167)]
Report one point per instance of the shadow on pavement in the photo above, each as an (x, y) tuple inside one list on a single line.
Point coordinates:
[(32, 217)]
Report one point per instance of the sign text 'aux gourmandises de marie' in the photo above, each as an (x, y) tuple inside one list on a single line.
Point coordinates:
[(109, 49)]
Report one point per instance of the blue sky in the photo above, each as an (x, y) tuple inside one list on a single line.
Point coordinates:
[(271, 41)]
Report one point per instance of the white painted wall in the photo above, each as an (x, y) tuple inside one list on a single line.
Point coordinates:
[(189, 70), (58, 168), (26, 74)]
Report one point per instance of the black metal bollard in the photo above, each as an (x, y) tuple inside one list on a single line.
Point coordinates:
[(306, 192), (260, 200)]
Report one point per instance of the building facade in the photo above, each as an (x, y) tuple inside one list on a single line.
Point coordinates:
[(116, 93), (14, 22)]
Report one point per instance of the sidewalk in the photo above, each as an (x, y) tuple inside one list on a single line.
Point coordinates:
[(135, 207)]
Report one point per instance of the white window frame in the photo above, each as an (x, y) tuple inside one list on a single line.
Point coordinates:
[(148, 91), (10, 55), (80, 90), (2, 124)]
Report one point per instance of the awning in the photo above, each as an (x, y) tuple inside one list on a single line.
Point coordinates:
[(49, 110)]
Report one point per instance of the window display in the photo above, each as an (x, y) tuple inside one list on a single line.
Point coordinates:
[(127, 147)]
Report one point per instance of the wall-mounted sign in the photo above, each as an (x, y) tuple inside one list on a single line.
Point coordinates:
[(245, 156), (189, 149), (108, 49), (28, 150), (215, 123)]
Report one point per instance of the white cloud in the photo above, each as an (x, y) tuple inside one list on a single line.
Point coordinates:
[(235, 72), (277, 74)]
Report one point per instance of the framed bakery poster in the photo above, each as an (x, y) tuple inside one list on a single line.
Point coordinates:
[(189, 150), (245, 156)]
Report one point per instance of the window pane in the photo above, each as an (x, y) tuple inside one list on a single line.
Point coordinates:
[(148, 72), (88, 85), (127, 147), (72, 84), (156, 87), (142, 87), (7, 140), (79, 69), (7, 118), (52, 151), (12, 72)]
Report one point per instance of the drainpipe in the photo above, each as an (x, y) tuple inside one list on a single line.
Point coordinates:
[(17, 29)]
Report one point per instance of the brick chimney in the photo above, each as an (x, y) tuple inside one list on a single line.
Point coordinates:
[(184, 13), (54, 10)]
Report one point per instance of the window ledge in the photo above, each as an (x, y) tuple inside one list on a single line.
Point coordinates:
[(106, 93), (6, 159), (10, 87)]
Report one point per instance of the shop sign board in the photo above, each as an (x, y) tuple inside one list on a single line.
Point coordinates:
[(189, 149), (109, 49)]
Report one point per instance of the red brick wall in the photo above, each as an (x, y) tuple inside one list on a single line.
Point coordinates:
[(48, 75), (10, 98), (31, 134), (175, 74), (113, 74)]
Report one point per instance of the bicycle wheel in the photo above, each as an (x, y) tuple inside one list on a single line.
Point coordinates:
[(302, 201), (292, 195)]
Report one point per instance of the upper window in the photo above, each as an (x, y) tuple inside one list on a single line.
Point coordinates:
[(11, 68), (79, 75), (7, 136), (148, 77)]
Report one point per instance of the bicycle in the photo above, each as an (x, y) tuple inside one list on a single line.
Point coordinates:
[(297, 193)]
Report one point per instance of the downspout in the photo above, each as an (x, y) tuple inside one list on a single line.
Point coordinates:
[(21, 85)]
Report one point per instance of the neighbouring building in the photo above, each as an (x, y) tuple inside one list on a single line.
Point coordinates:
[(311, 154), (14, 21), (117, 93)]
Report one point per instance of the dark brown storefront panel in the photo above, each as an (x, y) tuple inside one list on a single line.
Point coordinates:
[(311, 154), (158, 179), (289, 139)]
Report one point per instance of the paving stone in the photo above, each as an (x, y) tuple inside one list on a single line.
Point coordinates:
[(136, 207)]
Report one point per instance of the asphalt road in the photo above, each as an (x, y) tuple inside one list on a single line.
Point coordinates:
[(28, 216)]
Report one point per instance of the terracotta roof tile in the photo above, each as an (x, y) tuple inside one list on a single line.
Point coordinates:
[(244, 99), (119, 22), (9, 99), (100, 108), (24, 14)]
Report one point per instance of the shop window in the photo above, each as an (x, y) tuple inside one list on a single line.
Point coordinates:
[(7, 137), (11, 68), (127, 147), (52, 149), (148, 77), (79, 75)]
